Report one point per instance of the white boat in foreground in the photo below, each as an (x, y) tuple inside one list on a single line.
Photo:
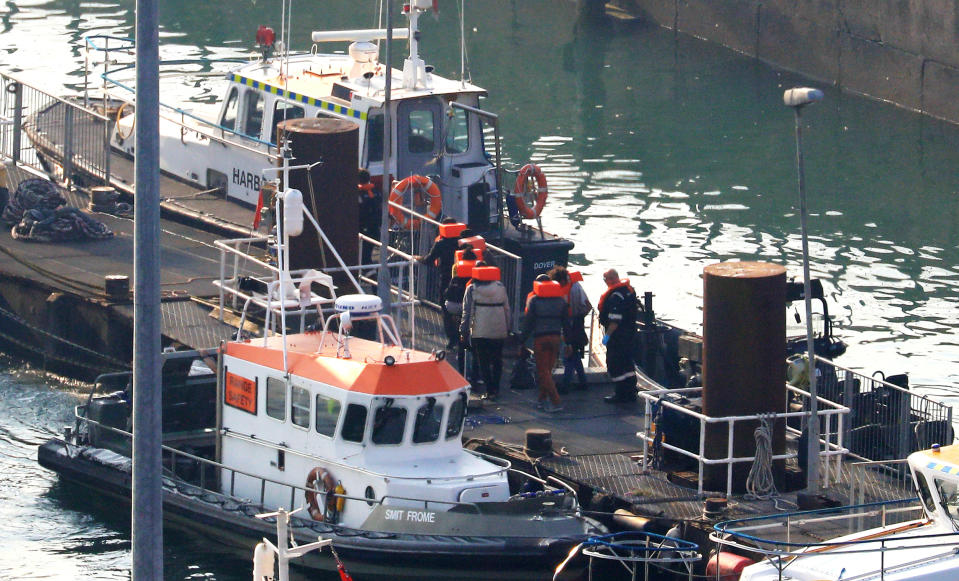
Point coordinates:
[(364, 434), (916, 540)]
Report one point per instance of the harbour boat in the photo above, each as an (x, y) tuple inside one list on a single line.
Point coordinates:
[(362, 435), (914, 539), (444, 156)]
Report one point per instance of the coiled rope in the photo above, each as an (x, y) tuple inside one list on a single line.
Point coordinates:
[(759, 483)]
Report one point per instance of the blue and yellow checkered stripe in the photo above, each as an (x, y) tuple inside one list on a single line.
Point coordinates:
[(945, 468), (325, 105)]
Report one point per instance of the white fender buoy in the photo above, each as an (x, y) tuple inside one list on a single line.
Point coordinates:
[(263, 563), (293, 212)]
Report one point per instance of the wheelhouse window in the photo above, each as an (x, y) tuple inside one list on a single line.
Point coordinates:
[(388, 424), (924, 493), (354, 423), (300, 407), (229, 112), (454, 424), (948, 496), (374, 138), (283, 110), (253, 113), (276, 398), (457, 132), (428, 419), (421, 131), (327, 412)]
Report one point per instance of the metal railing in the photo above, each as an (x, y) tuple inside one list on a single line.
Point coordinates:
[(189, 470), (788, 539), (886, 420), (419, 240), (830, 414), (35, 126), (866, 478)]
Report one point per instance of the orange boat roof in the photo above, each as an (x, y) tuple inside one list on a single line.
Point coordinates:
[(414, 373)]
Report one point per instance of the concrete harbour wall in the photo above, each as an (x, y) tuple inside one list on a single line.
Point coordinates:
[(902, 51)]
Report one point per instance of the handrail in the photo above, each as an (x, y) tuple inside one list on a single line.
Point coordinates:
[(354, 468), (264, 480)]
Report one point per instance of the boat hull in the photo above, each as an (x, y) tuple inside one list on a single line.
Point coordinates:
[(364, 552)]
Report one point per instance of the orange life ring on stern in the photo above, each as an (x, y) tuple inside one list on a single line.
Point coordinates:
[(523, 188), (329, 486), (422, 187)]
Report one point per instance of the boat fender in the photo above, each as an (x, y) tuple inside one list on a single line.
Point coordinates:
[(340, 501), (263, 563), (314, 479), (726, 566), (293, 212), (426, 200), (547, 288), (627, 520), (488, 273), (529, 174)]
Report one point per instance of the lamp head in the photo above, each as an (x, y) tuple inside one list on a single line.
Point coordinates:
[(801, 96)]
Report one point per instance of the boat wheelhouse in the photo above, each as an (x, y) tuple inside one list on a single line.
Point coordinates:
[(437, 128)]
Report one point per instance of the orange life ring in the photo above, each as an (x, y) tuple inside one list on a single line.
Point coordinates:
[(524, 187), (423, 188), (329, 486)]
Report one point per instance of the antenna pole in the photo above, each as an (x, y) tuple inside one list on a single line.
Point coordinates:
[(383, 282)]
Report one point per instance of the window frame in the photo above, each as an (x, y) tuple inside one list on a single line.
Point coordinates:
[(316, 411), (293, 404), (272, 382)]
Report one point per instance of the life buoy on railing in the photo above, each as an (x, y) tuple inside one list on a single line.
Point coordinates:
[(316, 477), (426, 200), (119, 116), (529, 174)]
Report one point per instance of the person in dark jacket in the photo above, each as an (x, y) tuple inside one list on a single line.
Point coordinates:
[(617, 315), (453, 299), (545, 319), (443, 252), (576, 337)]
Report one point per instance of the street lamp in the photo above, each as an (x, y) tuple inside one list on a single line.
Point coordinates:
[(797, 99)]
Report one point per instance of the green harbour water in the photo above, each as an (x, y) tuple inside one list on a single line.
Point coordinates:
[(663, 153)]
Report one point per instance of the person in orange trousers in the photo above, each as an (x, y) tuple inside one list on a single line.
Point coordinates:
[(545, 320)]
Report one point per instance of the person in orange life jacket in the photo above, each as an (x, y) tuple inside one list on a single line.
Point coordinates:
[(443, 252), (485, 324), (617, 315), (576, 338), (371, 200), (545, 320), (453, 298)]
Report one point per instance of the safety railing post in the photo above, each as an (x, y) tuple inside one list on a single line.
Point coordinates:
[(17, 117), (905, 422), (106, 152), (68, 145)]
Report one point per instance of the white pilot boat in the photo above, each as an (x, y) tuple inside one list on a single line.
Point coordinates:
[(914, 543), (361, 436), (437, 128)]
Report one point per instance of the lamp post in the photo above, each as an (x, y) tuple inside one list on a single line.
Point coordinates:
[(797, 99)]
